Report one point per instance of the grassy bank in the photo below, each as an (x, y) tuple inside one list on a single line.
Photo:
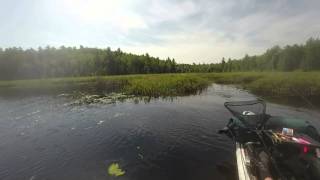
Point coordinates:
[(265, 84), (166, 85), (273, 84), (154, 85)]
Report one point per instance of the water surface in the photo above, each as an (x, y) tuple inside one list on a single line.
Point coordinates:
[(43, 137)]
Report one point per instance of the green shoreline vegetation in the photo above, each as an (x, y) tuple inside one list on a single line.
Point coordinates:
[(155, 85), (265, 84), (274, 84)]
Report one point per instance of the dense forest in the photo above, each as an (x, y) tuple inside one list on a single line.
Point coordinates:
[(17, 63), (304, 57)]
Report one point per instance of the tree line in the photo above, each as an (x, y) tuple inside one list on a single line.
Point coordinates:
[(305, 57), (48, 62), (16, 63)]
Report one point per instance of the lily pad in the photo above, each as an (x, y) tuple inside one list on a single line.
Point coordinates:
[(115, 170)]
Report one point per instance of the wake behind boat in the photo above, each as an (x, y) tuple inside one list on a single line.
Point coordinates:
[(272, 147)]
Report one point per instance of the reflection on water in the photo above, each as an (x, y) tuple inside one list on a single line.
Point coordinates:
[(43, 137)]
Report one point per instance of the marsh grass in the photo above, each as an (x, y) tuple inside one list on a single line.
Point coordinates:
[(275, 84), (167, 85), (266, 84), (155, 85)]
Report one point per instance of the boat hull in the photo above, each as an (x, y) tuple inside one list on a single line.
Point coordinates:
[(243, 162)]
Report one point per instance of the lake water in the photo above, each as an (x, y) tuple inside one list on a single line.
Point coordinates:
[(43, 137)]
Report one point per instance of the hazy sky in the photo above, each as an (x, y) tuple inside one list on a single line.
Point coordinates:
[(187, 30)]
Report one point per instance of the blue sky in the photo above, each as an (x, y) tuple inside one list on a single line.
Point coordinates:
[(187, 30)]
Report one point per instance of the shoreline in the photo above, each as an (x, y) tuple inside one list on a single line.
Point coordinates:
[(268, 85)]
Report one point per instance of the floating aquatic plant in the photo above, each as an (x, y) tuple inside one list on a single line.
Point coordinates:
[(115, 170)]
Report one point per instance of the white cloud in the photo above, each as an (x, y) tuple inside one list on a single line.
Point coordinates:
[(116, 14), (203, 47), (188, 30), (160, 11)]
